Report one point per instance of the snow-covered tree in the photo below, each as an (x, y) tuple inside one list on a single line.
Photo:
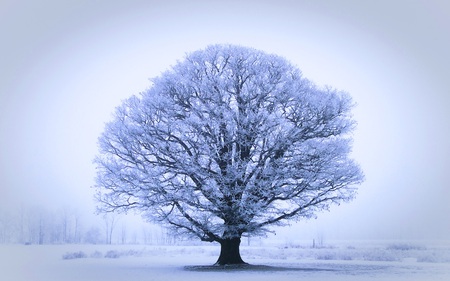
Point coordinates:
[(227, 143)]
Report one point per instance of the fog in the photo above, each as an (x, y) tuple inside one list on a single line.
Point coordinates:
[(66, 66)]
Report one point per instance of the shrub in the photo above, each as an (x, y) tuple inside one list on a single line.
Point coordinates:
[(346, 257), (96, 254), (74, 255), (112, 254), (434, 257), (133, 253), (379, 255), (326, 256), (404, 247)]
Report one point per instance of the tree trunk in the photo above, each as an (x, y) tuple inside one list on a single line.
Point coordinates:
[(229, 252)]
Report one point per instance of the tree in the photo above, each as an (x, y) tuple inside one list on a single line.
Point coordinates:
[(228, 142), (110, 224), (92, 236)]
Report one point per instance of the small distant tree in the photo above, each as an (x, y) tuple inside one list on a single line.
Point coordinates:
[(92, 236), (123, 234), (110, 223), (228, 142)]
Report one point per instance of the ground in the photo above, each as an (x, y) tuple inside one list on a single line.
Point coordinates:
[(286, 261)]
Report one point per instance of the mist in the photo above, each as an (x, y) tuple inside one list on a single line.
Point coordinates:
[(66, 66)]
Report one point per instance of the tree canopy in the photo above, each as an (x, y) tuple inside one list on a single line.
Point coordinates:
[(228, 141)]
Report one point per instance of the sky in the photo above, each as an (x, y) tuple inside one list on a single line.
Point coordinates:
[(66, 65)]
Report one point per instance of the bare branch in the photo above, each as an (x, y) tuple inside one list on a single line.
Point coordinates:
[(229, 141)]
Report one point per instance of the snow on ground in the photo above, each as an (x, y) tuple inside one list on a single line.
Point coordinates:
[(342, 261)]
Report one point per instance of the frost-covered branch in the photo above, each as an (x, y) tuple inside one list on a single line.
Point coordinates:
[(227, 142)]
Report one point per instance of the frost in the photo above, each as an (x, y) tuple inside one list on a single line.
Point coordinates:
[(227, 142)]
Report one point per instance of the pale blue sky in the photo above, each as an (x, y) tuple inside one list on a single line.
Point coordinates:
[(64, 67)]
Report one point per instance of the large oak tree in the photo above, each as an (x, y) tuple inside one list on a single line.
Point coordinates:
[(229, 141)]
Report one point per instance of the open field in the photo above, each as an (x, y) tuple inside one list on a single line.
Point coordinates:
[(337, 261)]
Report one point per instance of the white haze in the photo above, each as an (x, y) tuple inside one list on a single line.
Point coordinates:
[(65, 66)]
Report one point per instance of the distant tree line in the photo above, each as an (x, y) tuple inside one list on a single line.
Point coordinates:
[(38, 225)]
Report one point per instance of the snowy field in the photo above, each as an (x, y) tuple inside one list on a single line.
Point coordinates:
[(285, 261)]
